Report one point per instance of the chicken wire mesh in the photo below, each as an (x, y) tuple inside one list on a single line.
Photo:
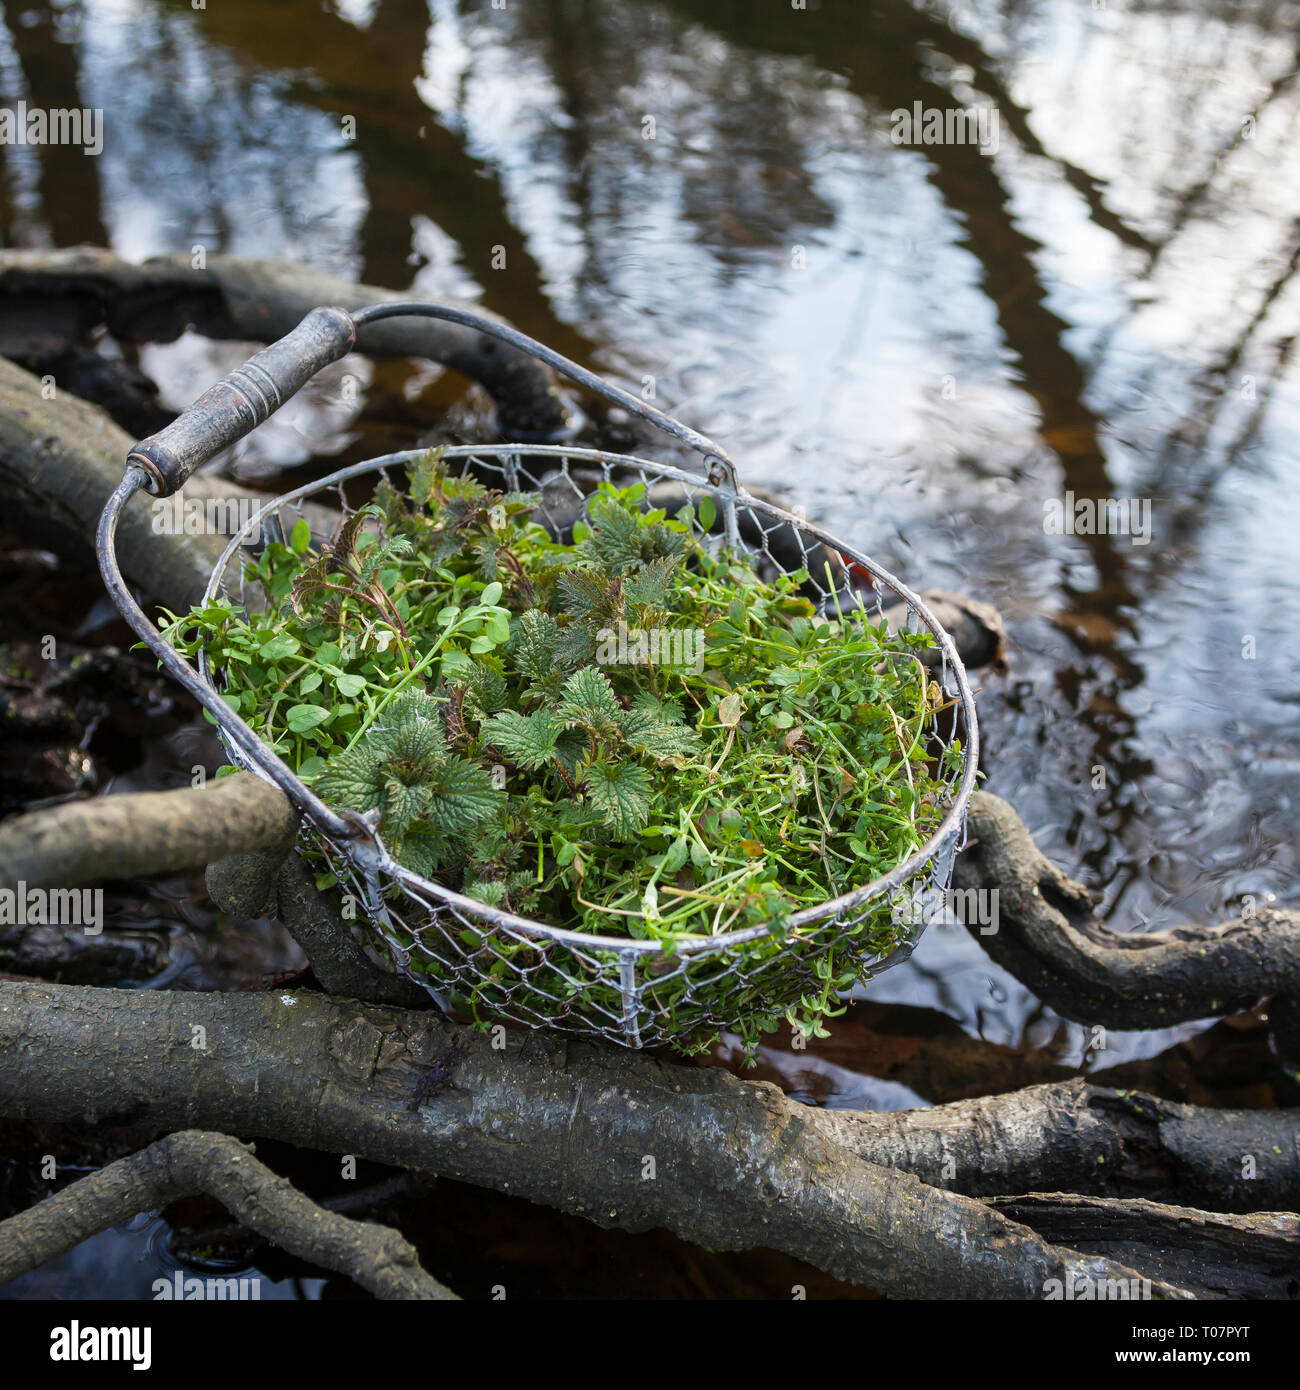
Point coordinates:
[(492, 965)]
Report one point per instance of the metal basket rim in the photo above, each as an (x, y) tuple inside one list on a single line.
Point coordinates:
[(951, 827)]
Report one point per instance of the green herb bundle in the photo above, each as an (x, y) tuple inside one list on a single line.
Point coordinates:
[(632, 733)]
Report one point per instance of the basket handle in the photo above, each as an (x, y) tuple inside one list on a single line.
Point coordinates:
[(721, 470), (239, 402), (246, 397)]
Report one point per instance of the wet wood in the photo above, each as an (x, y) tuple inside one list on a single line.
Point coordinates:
[(1048, 937), (49, 299), (614, 1136), (148, 833)]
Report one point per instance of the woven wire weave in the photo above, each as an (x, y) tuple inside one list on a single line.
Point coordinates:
[(476, 959)]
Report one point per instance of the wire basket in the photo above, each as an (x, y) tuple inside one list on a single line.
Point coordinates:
[(480, 960)]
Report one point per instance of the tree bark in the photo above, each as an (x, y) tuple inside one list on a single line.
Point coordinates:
[(50, 297), (147, 833), (1049, 939), (614, 1136), (192, 1162)]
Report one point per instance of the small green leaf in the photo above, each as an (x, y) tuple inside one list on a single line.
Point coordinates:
[(707, 512), (301, 718), (455, 664), (676, 855), (281, 645), (300, 537)]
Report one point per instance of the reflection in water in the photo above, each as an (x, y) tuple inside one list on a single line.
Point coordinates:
[(701, 197)]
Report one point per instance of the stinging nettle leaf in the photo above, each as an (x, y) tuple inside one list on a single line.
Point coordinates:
[(461, 795), (620, 792), (528, 740), (587, 593), (647, 731), (590, 703), (650, 584)]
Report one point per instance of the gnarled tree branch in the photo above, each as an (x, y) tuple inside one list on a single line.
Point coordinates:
[(192, 1162), (47, 297), (614, 1136), (146, 833), (1050, 941)]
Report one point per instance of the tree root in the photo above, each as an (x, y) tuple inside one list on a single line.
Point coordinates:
[(1215, 1256), (193, 1162), (331, 946), (1077, 1137), (48, 298), (1048, 938), (233, 1241), (620, 1138), (146, 833), (631, 1141)]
